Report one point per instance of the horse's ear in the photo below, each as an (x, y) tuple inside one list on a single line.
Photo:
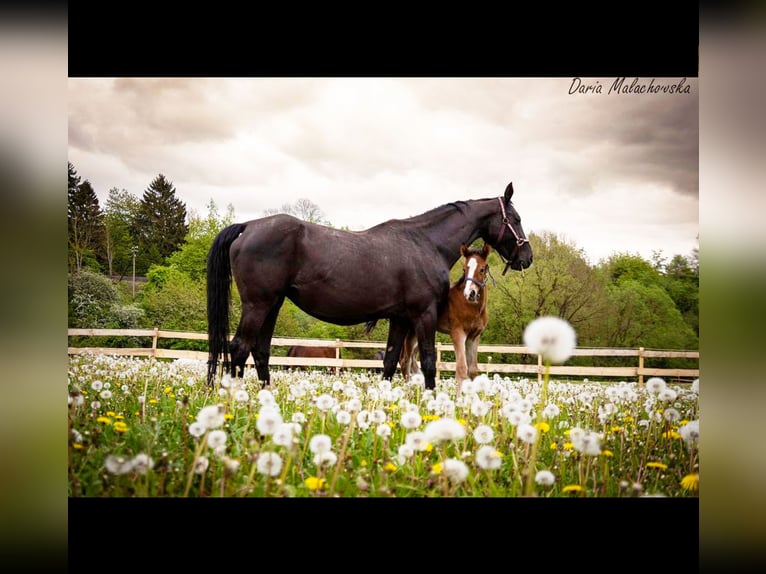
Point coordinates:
[(486, 250), (509, 192), (463, 250)]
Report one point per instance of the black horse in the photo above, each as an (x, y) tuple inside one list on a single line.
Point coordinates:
[(397, 270)]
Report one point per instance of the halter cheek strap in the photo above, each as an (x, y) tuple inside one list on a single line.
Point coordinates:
[(507, 223)]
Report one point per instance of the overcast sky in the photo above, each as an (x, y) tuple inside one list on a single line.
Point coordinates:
[(606, 172)]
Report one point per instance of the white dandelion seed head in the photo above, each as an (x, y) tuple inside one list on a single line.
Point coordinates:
[(695, 386), (269, 419), (545, 478), (378, 416), (667, 394), (211, 416), (325, 459), (411, 419), (655, 384), (283, 435), (417, 380), (455, 470), (551, 411), (468, 387), (223, 392), (106, 394), (241, 396), (200, 464), (488, 457), (479, 408), (142, 463), (383, 430), (671, 415), (230, 465), (320, 443), (95, 405), (343, 417), (417, 440), (444, 429), (406, 450), (527, 433), (354, 405), (269, 463), (216, 438), (197, 429), (483, 434), (298, 417), (690, 433), (325, 402), (118, 464), (97, 385), (552, 337)]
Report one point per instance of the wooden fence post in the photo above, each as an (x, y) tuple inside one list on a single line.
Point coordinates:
[(337, 356), (539, 368), (154, 341), (640, 367), (438, 359)]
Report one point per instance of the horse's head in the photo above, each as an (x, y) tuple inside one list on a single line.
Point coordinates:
[(475, 271), (508, 237)]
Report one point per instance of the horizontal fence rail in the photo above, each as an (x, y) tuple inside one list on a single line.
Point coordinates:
[(639, 371)]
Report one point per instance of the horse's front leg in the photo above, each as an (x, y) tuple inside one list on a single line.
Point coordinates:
[(425, 329), (397, 332)]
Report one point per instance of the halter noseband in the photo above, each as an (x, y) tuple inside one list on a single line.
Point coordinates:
[(519, 240)]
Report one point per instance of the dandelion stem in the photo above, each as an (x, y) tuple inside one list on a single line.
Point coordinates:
[(529, 485)]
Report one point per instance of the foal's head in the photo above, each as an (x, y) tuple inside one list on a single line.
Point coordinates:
[(475, 271)]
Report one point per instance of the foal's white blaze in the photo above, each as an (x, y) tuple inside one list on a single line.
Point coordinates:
[(470, 285)]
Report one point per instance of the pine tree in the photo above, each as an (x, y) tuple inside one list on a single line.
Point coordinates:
[(85, 223), (160, 224)]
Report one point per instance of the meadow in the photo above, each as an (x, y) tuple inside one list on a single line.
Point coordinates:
[(142, 427)]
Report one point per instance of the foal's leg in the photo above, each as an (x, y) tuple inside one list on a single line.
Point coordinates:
[(471, 352), (461, 367), (408, 362)]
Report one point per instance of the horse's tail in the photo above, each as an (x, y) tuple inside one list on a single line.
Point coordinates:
[(218, 294), (369, 326)]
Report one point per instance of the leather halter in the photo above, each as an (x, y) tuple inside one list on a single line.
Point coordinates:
[(520, 240)]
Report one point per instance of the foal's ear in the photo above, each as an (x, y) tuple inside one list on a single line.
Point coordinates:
[(509, 192), (485, 251), (463, 250)]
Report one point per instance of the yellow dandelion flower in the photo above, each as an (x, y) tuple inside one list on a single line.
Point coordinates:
[(120, 426), (683, 422), (629, 419), (430, 417), (167, 390), (314, 482), (390, 467), (660, 465), (572, 488), (616, 429), (119, 417), (429, 447), (104, 420), (171, 396), (111, 414), (691, 482), (543, 426), (363, 463), (228, 416), (152, 401), (389, 423), (393, 408), (608, 453), (671, 434), (462, 421), (554, 446), (437, 468), (78, 446), (568, 446)]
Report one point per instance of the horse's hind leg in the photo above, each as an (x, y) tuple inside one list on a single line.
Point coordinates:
[(397, 332), (425, 329), (239, 354), (262, 347)]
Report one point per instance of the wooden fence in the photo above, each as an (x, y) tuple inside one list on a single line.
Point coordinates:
[(639, 371)]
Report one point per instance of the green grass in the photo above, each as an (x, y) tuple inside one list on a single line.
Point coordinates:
[(141, 438)]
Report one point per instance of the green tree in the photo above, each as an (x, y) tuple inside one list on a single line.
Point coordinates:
[(85, 223), (191, 258), (681, 281), (120, 211), (160, 224)]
